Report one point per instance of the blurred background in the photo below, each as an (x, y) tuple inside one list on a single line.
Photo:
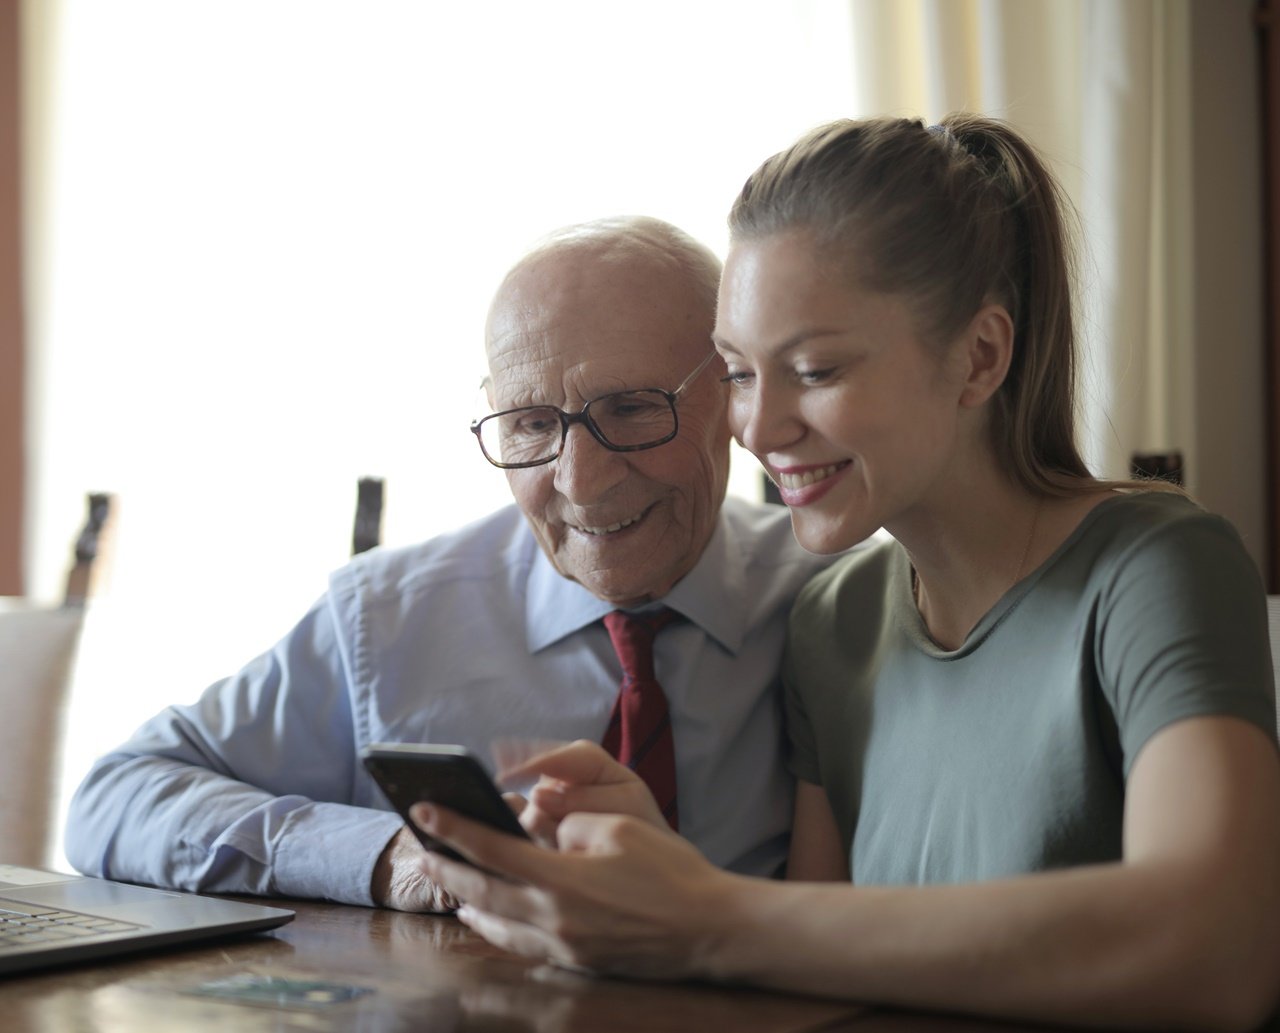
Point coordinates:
[(247, 246)]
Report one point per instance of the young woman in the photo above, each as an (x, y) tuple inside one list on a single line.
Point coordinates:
[(1036, 730)]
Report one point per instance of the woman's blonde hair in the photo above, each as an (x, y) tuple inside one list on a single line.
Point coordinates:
[(953, 217)]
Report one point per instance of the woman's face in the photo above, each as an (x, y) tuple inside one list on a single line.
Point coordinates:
[(854, 417)]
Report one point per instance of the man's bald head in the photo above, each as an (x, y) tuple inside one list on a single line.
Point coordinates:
[(624, 240), (618, 305)]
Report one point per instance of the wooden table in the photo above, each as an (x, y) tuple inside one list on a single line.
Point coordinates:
[(425, 973)]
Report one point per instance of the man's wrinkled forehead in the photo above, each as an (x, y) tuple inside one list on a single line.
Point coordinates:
[(578, 322), (562, 290), (542, 342), (562, 364)]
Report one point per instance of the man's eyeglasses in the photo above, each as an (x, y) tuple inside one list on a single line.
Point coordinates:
[(624, 421)]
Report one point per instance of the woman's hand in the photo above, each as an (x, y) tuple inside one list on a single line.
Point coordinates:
[(581, 776), (619, 896)]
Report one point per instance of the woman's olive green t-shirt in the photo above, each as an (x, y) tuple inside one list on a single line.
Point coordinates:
[(1009, 755)]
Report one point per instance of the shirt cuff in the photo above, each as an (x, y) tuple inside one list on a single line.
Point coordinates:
[(327, 851)]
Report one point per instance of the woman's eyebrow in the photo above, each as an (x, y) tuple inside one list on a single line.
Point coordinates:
[(784, 346)]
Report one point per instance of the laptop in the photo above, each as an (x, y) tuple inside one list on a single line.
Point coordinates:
[(47, 918)]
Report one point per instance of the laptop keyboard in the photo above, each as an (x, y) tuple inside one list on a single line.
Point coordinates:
[(23, 924)]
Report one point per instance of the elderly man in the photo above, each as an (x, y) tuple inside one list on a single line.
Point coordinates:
[(610, 422)]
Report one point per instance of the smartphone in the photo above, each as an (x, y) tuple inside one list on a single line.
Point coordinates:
[(408, 773)]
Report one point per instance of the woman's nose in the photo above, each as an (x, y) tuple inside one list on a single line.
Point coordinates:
[(764, 420)]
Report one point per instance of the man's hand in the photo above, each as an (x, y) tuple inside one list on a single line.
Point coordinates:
[(398, 879), (399, 882)]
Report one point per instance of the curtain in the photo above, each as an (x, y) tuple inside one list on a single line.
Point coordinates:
[(1146, 110), (1087, 82)]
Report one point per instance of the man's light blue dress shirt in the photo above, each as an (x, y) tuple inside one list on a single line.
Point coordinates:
[(467, 638)]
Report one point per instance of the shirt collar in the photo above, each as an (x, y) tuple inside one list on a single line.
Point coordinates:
[(712, 596)]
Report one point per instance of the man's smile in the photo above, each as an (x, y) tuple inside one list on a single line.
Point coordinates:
[(600, 530)]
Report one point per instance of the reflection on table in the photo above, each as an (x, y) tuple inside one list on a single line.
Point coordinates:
[(420, 972)]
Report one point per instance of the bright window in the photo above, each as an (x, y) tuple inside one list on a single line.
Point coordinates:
[(265, 234)]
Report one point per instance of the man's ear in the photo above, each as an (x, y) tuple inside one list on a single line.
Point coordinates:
[(988, 343)]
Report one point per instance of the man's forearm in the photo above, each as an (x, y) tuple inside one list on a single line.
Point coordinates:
[(156, 820)]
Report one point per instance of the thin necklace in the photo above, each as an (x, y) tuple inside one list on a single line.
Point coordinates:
[(1031, 537), (1022, 563)]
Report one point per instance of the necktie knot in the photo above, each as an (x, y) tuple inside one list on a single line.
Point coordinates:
[(632, 635)]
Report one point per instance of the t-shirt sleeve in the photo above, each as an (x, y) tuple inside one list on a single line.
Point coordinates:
[(1182, 632), (802, 746)]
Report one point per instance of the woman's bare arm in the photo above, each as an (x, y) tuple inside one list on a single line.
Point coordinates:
[(816, 854), (1184, 933)]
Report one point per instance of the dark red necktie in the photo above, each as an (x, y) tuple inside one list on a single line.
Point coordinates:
[(639, 732)]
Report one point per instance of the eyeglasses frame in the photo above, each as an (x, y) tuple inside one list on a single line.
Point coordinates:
[(568, 419)]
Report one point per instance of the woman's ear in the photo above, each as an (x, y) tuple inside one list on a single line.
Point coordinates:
[(988, 343)]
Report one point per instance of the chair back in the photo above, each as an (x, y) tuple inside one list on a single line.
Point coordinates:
[(1273, 622), (367, 532), (38, 649), (37, 657)]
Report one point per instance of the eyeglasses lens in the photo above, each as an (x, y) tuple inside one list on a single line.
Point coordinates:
[(628, 419)]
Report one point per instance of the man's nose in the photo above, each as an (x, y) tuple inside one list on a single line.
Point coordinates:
[(586, 470)]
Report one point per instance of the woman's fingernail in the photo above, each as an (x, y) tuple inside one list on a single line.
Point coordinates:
[(423, 814)]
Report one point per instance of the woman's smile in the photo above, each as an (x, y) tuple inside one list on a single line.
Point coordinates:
[(804, 485)]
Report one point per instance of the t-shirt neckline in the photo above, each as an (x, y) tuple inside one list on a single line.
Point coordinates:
[(910, 620)]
